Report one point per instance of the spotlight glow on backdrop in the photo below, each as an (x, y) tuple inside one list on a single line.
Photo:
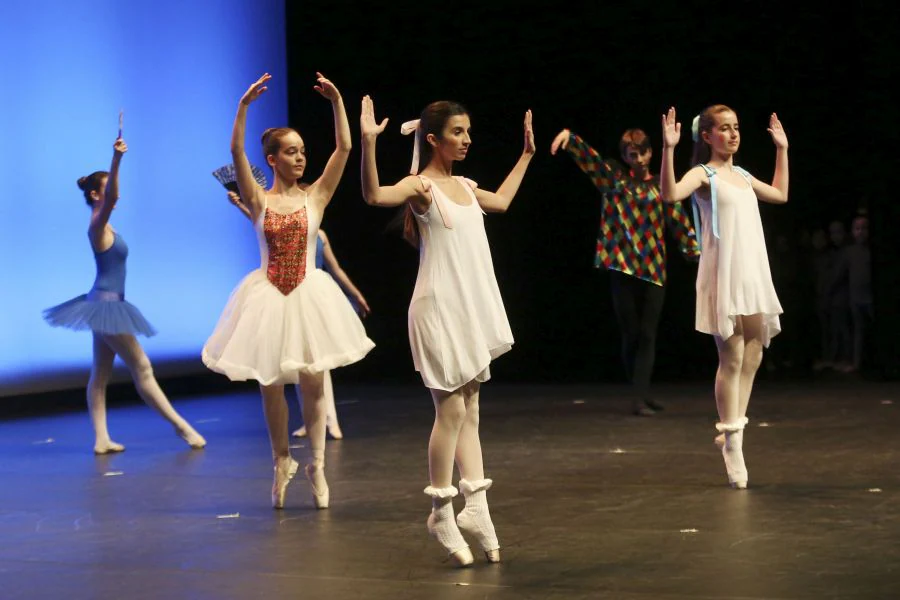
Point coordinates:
[(177, 69)]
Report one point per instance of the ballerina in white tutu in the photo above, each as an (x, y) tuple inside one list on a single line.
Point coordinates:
[(288, 322), (736, 299), (325, 259), (457, 322)]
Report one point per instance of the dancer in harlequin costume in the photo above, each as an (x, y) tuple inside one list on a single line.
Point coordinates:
[(736, 300), (288, 322), (632, 247), (325, 259), (113, 321), (457, 322)]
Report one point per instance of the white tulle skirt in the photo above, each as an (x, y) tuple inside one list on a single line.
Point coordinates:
[(272, 338)]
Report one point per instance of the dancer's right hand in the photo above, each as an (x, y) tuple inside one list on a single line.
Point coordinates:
[(560, 141), (120, 147), (255, 90), (234, 198), (671, 129), (367, 125)]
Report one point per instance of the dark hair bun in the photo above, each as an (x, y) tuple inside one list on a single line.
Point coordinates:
[(82, 183)]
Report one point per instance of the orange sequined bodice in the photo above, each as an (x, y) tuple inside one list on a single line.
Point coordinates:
[(286, 237)]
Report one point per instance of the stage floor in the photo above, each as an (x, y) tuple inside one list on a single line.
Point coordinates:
[(588, 501)]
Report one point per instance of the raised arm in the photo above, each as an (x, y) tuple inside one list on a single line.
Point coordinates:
[(250, 191), (324, 187), (777, 193), (500, 200), (333, 267), (408, 189), (669, 189), (101, 214), (601, 172)]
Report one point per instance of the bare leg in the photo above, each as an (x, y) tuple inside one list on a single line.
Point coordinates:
[(475, 518), (275, 409), (313, 389), (101, 369), (331, 419), (753, 354), (131, 353), (449, 415), (728, 375)]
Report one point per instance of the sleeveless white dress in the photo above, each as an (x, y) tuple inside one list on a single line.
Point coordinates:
[(457, 322), (733, 276), (286, 317)]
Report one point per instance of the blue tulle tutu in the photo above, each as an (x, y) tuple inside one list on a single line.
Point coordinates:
[(109, 317)]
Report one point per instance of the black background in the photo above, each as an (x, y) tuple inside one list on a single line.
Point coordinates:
[(599, 68)]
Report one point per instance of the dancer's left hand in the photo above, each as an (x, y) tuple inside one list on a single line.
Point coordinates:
[(364, 310), (326, 88), (529, 133), (777, 132)]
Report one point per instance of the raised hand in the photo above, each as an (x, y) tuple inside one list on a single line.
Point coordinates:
[(255, 90), (367, 124), (529, 134), (777, 132), (120, 147), (560, 141), (671, 129), (326, 88), (234, 198)]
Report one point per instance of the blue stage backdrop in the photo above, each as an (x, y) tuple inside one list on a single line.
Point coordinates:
[(177, 69)]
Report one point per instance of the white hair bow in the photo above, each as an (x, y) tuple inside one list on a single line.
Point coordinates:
[(406, 129)]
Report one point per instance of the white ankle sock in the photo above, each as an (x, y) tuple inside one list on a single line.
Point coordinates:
[(475, 518), (441, 524)]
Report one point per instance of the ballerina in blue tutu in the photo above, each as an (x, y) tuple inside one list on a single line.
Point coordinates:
[(113, 321)]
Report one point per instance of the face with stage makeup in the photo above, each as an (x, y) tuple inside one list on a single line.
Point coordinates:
[(452, 144), (724, 134), (285, 153)]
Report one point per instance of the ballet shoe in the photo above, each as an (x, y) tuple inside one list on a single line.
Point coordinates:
[(334, 430), (443, 527), (285, 469), (108, 447), (654, 405), (731, 442), (643, 411), (300, 432), (316, 476), (193, 439)]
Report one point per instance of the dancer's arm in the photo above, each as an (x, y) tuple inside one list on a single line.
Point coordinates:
[(333, 267), (250, 192), (669, 190), (500, 200), (408, 189), (324, 187), (777, 193), (100, 216), (236, 200), (603, 173), (680, 225)]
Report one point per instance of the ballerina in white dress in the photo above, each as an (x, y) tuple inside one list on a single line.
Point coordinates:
[(457, 322), (736, 300)]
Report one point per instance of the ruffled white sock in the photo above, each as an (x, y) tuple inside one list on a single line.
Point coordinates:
[(441, 524), (475, 518)]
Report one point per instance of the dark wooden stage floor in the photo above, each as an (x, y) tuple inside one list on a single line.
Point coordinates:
[(588, 501)]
